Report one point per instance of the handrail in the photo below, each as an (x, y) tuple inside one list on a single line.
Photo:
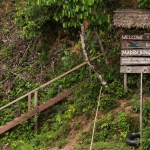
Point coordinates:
[(51, 81)]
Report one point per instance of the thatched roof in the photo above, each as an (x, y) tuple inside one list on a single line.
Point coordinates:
[(132, 18)]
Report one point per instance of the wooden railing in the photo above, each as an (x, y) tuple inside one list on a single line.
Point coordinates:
[(35, 92)]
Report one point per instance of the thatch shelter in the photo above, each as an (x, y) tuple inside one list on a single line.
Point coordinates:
[(132, 18)]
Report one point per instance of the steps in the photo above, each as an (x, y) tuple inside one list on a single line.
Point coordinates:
[(40, 108)]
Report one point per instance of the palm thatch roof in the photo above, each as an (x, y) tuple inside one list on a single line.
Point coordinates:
[(132, 18)]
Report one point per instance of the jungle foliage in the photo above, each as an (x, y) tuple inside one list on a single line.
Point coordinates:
[(49, 31), (33, 16), (144, 4)]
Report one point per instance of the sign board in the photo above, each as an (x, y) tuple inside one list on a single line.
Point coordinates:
[(135, 61), (135, 52), (135, 44), (135, 69), (136, 37)]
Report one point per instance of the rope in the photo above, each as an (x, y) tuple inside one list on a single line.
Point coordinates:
[(100, 95)]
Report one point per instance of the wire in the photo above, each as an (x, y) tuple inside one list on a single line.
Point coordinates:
[(100, 95)]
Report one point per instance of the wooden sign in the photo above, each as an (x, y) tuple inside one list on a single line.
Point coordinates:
[(136, 36), (134, 48), (135, 69), (135, 44), (135, 60), (135, 52)]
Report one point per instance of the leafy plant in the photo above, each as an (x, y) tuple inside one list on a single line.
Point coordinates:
[(121, 125), (146, 113), (144, 4), (136, 103), (32, 15), (146, 138), (111, 145), (104, 128), (61, 142), (112, 94)]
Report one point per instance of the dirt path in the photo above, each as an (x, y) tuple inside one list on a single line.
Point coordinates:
[(84, 124)]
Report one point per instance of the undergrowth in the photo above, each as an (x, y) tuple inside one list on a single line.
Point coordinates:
[(46, 60)]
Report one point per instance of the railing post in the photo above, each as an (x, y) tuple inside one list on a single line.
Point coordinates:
[(125, 81), (36, 111), (141, 110), (29, 102)]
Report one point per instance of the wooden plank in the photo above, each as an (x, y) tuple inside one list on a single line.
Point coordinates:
[(135, 44), (135, 52), (36, 111), (125, 81), (29, 102), (134, 69), (135, 61), (145, 36), (61, 96), (31, 113), (141, 109)]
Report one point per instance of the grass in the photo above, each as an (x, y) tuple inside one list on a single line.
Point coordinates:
[(107, 145)]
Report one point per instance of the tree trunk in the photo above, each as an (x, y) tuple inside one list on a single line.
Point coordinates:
[(102, 48), (82, 36)]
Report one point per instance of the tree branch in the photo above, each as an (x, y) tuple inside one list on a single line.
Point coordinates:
[(101, 47), (82, 36)]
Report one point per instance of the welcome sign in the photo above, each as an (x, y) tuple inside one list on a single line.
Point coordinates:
[(135, 53), (136, 36)]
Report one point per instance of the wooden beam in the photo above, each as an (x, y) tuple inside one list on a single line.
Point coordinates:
[(141, 109), (125, 81), (31, 113), (36, 111), (29, 102)]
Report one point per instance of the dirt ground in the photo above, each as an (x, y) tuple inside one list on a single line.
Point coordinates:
[(85, 124)]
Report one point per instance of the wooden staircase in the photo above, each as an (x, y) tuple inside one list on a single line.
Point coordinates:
[(37, 109), (40, 108)]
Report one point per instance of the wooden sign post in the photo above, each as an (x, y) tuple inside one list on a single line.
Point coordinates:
[(141, 110), (135, 58), (135, 54)]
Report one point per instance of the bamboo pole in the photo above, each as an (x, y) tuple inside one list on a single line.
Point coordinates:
[(141, 105), (29, 102), (125, 81), (98, 103), (53, 80), (36, 111)]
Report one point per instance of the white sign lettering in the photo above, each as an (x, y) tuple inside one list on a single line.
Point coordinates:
[(132, 37), (147, 45), (135, 52), (134, 60)]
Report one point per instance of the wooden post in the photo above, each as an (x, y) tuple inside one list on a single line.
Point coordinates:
[(36, 111), (29, 102), (125, 81), (141, 105)]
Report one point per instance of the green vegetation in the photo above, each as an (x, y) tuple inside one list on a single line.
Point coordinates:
[(40, 41), (33, 16), (144, 4)]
